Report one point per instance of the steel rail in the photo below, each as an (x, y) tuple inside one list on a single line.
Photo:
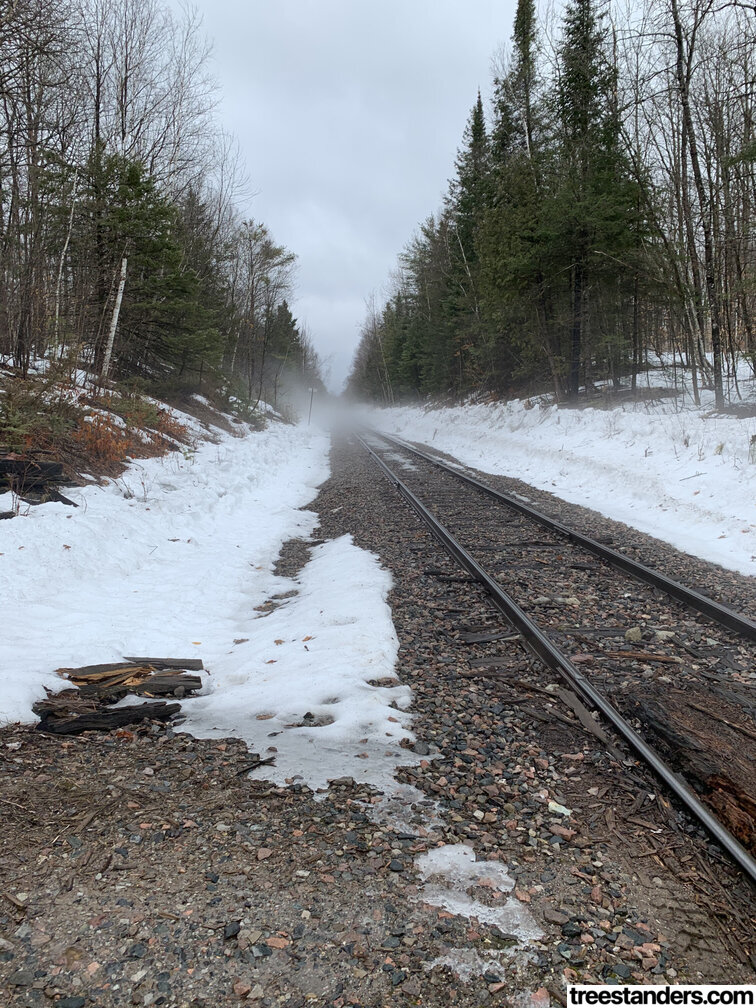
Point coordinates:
[(722, 614), (552, 657)]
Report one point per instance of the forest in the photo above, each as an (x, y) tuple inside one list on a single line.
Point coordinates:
[(600, 211), (124, 246)]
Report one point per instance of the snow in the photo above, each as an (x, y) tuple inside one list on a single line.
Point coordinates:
[(176, 558), (665, 467), (299, 688), (449, 873), (451, 870)]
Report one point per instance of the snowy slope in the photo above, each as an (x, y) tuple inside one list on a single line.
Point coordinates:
[(666, 467)]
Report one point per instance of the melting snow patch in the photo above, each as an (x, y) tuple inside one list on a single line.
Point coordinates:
[(449, 873), (301, 689), (405, 809)]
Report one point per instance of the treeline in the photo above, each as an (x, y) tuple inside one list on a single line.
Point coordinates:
[(122, 243), (603, 209)]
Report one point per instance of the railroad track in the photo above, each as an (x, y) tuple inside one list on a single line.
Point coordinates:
[(634, 644)]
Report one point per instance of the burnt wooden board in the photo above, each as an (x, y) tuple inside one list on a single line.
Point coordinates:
[(190, 664), (154, 685), (108, 720), (28, 469)]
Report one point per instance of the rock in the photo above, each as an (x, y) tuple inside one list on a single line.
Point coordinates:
[(558, 809), (21, 978), (621, 970), (396, 865), (561, 831), (555, 916), (539, 998), (421, 748), (634, 635), (72, 1002), (232, 929), (277, 943)]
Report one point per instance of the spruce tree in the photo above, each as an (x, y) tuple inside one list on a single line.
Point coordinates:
[(593, 208)]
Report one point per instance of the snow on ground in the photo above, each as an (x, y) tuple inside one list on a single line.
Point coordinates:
[(451, 874), (171, 559), (301, 689), (666, 467)]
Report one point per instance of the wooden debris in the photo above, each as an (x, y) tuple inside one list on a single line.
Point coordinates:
[(94, 672), (189, 664), (644, 656), (154, 685), (129, 675), (106, 720), (488, 637), (588, 721), (72, 711), (34, 476), (493, 661)]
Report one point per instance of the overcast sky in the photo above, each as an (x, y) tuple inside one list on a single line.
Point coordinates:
[(349, 114)]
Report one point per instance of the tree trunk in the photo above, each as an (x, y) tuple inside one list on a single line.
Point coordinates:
[(577, 331), (114, 320)]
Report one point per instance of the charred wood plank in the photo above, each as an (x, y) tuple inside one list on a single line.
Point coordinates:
[(108, 720), (189, 664), (154, 685), (97, 671)]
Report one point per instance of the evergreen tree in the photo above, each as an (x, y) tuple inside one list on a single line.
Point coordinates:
[(594, 206)]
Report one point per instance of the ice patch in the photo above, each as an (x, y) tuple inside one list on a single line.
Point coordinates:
[(450, 871), (405, 809)]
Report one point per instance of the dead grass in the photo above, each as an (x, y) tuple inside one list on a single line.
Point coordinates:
[(88, 432)]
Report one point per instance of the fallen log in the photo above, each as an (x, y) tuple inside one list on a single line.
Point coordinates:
[(28, 469), (108, 720)]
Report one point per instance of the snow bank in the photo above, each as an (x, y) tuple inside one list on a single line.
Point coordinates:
[(176, 559), (674, 471), (170, 559)]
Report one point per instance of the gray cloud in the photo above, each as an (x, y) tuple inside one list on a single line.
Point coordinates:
[(349, 114)]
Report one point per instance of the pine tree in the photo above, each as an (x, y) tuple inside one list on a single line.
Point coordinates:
[(594, 207)]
